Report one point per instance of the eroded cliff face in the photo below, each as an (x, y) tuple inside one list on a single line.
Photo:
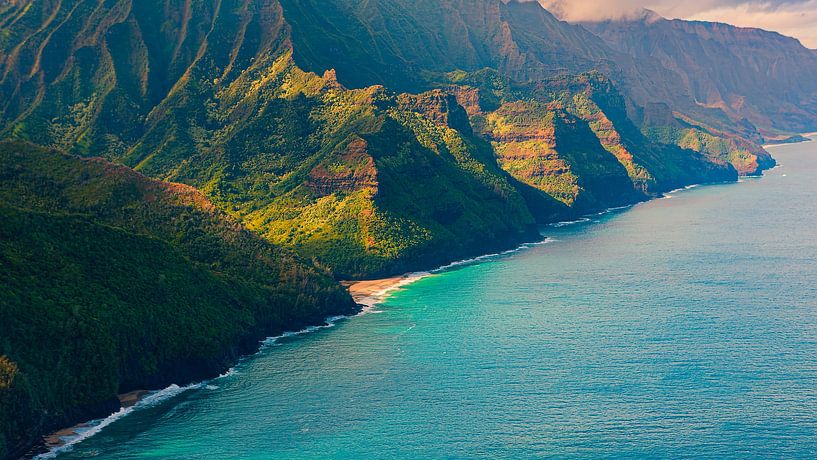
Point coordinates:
[(746, 74), (362, 181), (207, 93), (571, 138), (412, 47), (211, 94), (367, 138)]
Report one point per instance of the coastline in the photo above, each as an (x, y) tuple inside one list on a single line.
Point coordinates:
[(366, 293), (805, 137), (60, 438), (371, 292)]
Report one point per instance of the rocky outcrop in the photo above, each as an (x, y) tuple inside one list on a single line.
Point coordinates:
[(351, 170)]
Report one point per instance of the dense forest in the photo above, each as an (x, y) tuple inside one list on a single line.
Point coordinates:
[(179, 179), (112, 282)]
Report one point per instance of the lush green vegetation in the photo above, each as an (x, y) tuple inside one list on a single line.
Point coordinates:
[(287, 119), (113, 282), (428, 177), (571, 138), (747, 158)]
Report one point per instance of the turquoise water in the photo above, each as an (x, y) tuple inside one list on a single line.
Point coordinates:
[(683, 327)]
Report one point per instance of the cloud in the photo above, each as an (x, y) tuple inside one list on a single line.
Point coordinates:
[(797, 18), (593, 10)]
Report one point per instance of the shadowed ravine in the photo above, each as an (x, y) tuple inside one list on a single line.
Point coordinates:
[(684, 326)]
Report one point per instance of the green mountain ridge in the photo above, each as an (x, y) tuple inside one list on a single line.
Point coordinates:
[(214, 99), (248, 151), (113, 282), (408, 44)]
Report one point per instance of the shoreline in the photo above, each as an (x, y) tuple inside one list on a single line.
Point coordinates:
[(805, 137), (366, 293), (370, 292), (68, 436)]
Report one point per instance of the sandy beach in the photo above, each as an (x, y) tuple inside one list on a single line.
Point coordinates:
[(130, 399), (370, 292), (57, 438)]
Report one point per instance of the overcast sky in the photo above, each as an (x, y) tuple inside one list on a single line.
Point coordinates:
[(796, 18)]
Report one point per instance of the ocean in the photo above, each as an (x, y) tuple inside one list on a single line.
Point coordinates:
[(681, 327)]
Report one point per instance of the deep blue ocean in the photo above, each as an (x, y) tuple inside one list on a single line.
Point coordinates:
[(682, 327)]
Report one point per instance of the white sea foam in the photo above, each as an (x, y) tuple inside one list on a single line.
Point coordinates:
[(616, 208), (230, 372), (160, 396), (681, 189), (94, 427), (370, 302), (570, 222), (328, 322), (589, 217), (157, 397), (672, 193), (474, 260)]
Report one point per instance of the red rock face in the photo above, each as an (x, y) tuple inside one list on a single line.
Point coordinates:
[(468, 98), (439, 106), (353, 169)]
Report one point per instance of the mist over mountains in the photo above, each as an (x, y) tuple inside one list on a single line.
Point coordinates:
[(795, 18)]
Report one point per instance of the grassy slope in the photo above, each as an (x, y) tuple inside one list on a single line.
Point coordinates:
[(570, 137)]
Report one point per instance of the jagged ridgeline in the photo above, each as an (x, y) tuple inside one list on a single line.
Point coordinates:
[(364, 181), (112, 282), (314, 139)]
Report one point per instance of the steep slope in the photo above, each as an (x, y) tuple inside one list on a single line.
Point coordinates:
[(663, 125), (401, 43), (363, 181), (749, 74), (411, 46), (212, 98), (112, 282), (570, 138)]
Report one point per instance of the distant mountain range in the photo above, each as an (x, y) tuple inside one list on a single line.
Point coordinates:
[(339, 138), (758, 79)]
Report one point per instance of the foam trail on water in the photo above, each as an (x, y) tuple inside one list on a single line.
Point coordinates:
[(160, 396), (230, 372), (371, 301), (474, 260), (570, 222), (589, 217), (157, 397), (96, 426)]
